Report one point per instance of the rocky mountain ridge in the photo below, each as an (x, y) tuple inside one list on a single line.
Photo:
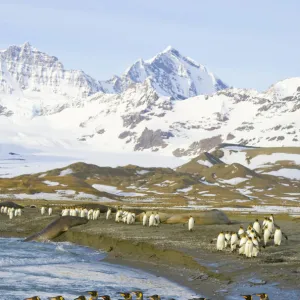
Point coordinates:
[(42, 104)]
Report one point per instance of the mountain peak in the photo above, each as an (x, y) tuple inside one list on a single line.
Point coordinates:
[(171, 49), (172, 75), (26, 45)]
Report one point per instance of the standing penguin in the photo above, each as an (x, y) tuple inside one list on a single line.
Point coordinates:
[(263, 296), (50, 211), (145, 219), (191, 223), (94, 295), (255, 249), (278, 236), (249, 247), (108, 213), (241, 230), (256, 226), (267, 235), (43, 210), (126, 296), (157, 219), (221, 241), (234, 241), (270, 225), (227, 238), (151, 220), (242, 245), (129, 218), (138, 294), (265, 221)]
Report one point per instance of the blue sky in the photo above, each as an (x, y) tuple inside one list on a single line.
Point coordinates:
[(249, 44)]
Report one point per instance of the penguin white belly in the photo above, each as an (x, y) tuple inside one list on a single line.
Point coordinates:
[(255, 249), (233, 242), (256, 227), (267, 235), (248, 249), (128, 219), (145, 219), (242, 245), (277, 237), (108, 214), (191, 224), (151, 220), (221, 242), (270, 226)]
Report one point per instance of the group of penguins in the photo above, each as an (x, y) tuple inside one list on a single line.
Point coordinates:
[(138, 296), (124, 216), (11, 212), (248, 242), (94, 295)]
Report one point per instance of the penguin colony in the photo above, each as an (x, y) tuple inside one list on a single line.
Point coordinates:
[(11, 212), (94, 295), (248, 242)]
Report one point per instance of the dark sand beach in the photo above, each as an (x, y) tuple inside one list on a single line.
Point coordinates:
[(188, 258)]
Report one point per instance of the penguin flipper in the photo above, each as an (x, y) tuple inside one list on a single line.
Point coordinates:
[(286, 237)]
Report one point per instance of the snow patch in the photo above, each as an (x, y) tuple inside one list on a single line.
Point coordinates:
[(185, 190), (51, 183), (233, 181), (66, 172), (113, 190), (288, 173), (205, 163)]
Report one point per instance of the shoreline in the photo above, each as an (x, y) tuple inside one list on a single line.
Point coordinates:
[(187, 259)]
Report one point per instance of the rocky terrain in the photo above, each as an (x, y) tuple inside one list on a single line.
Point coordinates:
[(231, 178)]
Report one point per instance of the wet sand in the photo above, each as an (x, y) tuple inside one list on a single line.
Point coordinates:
[(188, 258)]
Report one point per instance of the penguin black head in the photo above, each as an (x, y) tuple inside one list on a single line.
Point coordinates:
[(93, 293), (80, 298), (105, 297), (154, 297), (247, 297), (256, 220)]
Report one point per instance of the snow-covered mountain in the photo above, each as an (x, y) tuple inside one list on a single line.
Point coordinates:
[(45, 107), (25, 69), (171, 74)]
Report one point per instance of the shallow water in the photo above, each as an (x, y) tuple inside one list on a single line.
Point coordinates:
[(50, 269)]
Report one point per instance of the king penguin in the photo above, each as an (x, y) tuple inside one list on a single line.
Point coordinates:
[(191, 223), (278, 236), (221, 241), (263, 296), (145, 219), (138, 295)]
